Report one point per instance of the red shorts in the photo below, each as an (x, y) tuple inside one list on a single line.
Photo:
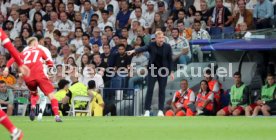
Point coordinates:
[(44, 84), (253, 106), (227, 113)]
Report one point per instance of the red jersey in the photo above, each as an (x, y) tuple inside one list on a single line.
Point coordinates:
[(32, 59)]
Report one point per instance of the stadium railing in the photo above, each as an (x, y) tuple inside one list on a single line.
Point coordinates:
[(126, 100)]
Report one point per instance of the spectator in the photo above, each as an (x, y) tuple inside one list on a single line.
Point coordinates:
[(66, 26), (23, 20), (37, 8), (20, 84), (95, 49), (89, 73), (61, 59), (239, 98), (84, 61), (6, 97), (123, 16), (169, 27), (183, 102), (136, 4), (242, 15), (61, 8), (114, 4), (180, 48), (48, 10), (105, 21), (178, 5), (5, 5), (266, 102), (100, 66), (54, 18), (219, 16), (198, 17), (112, 16), (141, 32), (263, 13), (70, 11), (25, 33), (205, 100), (114, 43), (139, 63), (14, 16), (106, 54), (104, 41), (38, 18), (96, 38), (100, 8), (77, 41), (85, 42), (138, 17), (108, 31), (18, 44), (124, 34), (181, 17), (9, 26), (199, 33), (204, 11), (191, 16), (184, 32), (9, 79), (97, 103), (133, 30), (162, 11), (243, 33), (54, 53), (230, 4), (158, 23), (56, 36)]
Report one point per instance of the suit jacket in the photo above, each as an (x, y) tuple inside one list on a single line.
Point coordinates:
[(152, 49)]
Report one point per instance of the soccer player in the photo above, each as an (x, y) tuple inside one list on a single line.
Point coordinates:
[(239, 96), (32, 58), (267, 101), (16, 134), (183, 101)]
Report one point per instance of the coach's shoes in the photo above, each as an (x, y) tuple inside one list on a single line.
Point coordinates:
[(39, 117), (58, 119), (17, 135), (32, 114), (147, 113), (160, 113)]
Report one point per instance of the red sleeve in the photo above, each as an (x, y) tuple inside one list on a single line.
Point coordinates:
[(9, 46), (10, 62), (47, 59)]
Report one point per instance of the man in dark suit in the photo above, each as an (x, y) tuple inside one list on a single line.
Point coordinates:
[(160, 66)]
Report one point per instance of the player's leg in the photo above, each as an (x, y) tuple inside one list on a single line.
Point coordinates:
[(32, 86), (48, 89), (180, 113), (169, 113), (42, 104), (256, 110), (190, 112), (238, 111), (265, 110), (16, 134), (224, 111), (249, 109)]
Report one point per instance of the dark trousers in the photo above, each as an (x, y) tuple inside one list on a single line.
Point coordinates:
[(162, 82)]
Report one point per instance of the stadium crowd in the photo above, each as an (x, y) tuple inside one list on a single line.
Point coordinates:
[(85, 37)]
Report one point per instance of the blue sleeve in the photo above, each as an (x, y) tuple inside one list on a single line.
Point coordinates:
[(270, 10)]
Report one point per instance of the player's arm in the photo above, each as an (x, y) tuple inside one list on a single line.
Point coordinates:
[(5, 41), (48, 60)]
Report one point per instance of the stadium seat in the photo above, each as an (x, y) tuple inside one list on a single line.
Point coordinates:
[(23, 102), (87, 110)]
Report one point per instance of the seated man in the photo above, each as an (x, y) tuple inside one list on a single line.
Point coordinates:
[(76, 89), (267, 101), (97, 104), (183, 101), (63, 86), (6, 97), (239, 97)]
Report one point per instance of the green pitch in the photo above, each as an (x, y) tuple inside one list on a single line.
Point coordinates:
[(142, 128)]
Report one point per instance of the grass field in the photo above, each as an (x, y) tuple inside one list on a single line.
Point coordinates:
[(142, 128)]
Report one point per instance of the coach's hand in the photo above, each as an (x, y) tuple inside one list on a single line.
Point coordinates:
[(24, 70), (172, 76)]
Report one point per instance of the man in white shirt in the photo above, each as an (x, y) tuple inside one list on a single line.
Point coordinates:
[(105, 21), (139, 18), (50, 30), (65, 26), (89, 73), (54, 18), (180, 48), (199, 33), (149, 13), (77, 41), (38, 8), (115, 5)]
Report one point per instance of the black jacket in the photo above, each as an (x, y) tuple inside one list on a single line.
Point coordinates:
[(152, 49)]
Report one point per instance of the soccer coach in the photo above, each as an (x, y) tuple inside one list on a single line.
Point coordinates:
[(160, 66)]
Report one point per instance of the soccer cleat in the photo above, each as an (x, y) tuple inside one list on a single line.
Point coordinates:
[(160, 113), (32, 114), (39, 117), (17, 135), (147, 113), (199, 112), (58, 119)]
